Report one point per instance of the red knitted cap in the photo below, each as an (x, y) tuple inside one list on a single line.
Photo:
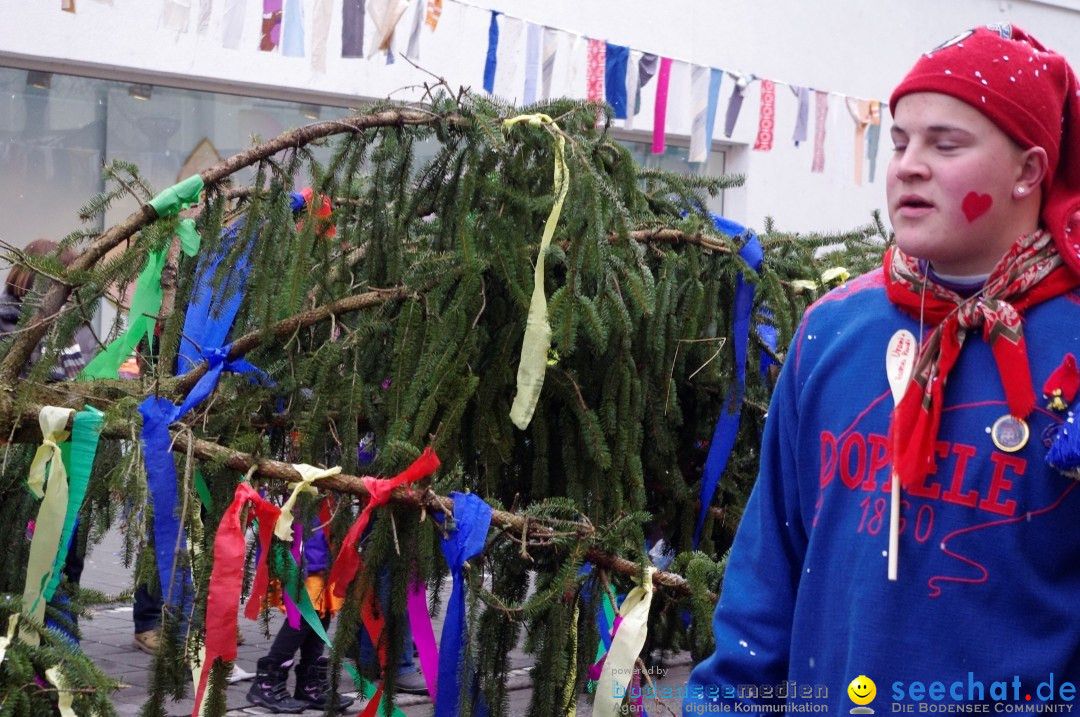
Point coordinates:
[(1031, 94)]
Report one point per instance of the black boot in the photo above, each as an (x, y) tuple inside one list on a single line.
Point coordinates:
[(313, 685), (271, 689)]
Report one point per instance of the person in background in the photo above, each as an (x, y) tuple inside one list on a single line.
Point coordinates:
[(974, 309), (19, 283), (270, 688)]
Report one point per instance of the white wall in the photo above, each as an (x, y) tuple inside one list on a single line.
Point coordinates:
[(854, 47)]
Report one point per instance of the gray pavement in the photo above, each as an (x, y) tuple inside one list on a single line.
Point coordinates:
[(107, 637)]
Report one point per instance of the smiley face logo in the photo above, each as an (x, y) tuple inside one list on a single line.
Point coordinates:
[(862, 690)]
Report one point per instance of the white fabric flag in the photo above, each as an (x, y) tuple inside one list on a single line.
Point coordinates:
[(233, 23), (175, 14), (509, 55), (532, 62), (699, 103), (385, 15), (547, 66), (632, 89), (413, 51), (577, 60), (320, 34)]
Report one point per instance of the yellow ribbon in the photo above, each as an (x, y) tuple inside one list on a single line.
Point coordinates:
[(13, 621), (49, 523), (836, 273), (64, 696), (308, 475), (625, 648), (534, 348), (569, 690)]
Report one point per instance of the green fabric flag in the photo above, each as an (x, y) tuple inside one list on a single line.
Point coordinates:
[(78, 455), (147, 300), (173, 199), (189, 238)]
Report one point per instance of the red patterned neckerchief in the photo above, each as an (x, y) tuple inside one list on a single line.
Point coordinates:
[(1031, 272)]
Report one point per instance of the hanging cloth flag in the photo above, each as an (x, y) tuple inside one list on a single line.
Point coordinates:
[(660, 108), (175, 14), (492, 53), (472, 518), (699, 107), (727, 425), (632, 103), (507, 82), (202, 24), (434, 12), (738, 93), (537, 341), (767, 119), (385, 14), (85, 432), (715, 78), (615, 59), (413, 51), (292, 24), (352, 28), (873, 136), (533, 34), (802, 116), (50, 516), (578, 60), (860, 115), (320, 33), (626, 645), (270, 35), (379, 491), (821, 113), (594, 71), (233, 23), (550, 50)]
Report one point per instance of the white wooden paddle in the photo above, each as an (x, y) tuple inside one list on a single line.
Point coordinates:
[(899, 364)]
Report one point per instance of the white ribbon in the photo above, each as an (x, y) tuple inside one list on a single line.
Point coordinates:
[(308, 475), (625, 647)]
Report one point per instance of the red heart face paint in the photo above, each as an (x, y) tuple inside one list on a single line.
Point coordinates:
[(975, 205)]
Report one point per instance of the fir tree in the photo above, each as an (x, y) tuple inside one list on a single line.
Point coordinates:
[(408, 324)]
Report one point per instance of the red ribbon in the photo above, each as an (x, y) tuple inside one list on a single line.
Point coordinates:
[(348, 560), (222, 603)]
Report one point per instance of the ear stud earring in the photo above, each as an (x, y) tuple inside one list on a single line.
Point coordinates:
[(1019, 190)]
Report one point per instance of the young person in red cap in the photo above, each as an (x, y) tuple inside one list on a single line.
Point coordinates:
[(982, 186)]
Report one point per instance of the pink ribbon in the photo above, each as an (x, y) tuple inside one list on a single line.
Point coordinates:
[(767, 119), (660, 111), (424, 636)]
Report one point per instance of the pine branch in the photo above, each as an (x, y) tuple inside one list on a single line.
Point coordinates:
[(19, 353)]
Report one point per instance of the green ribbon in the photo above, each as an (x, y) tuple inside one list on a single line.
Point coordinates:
[(537, 342), (78, 456), (190, 241), (173, 199), (145, 304)]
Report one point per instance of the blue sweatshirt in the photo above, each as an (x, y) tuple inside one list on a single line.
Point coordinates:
[(989, 558)]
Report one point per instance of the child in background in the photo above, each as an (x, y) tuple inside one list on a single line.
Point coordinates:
[(270, 689)]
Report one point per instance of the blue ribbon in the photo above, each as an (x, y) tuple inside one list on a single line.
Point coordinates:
[(472, 517), (727, 426), (715, 77), (615, 58), (493, 48), (208, 321)]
